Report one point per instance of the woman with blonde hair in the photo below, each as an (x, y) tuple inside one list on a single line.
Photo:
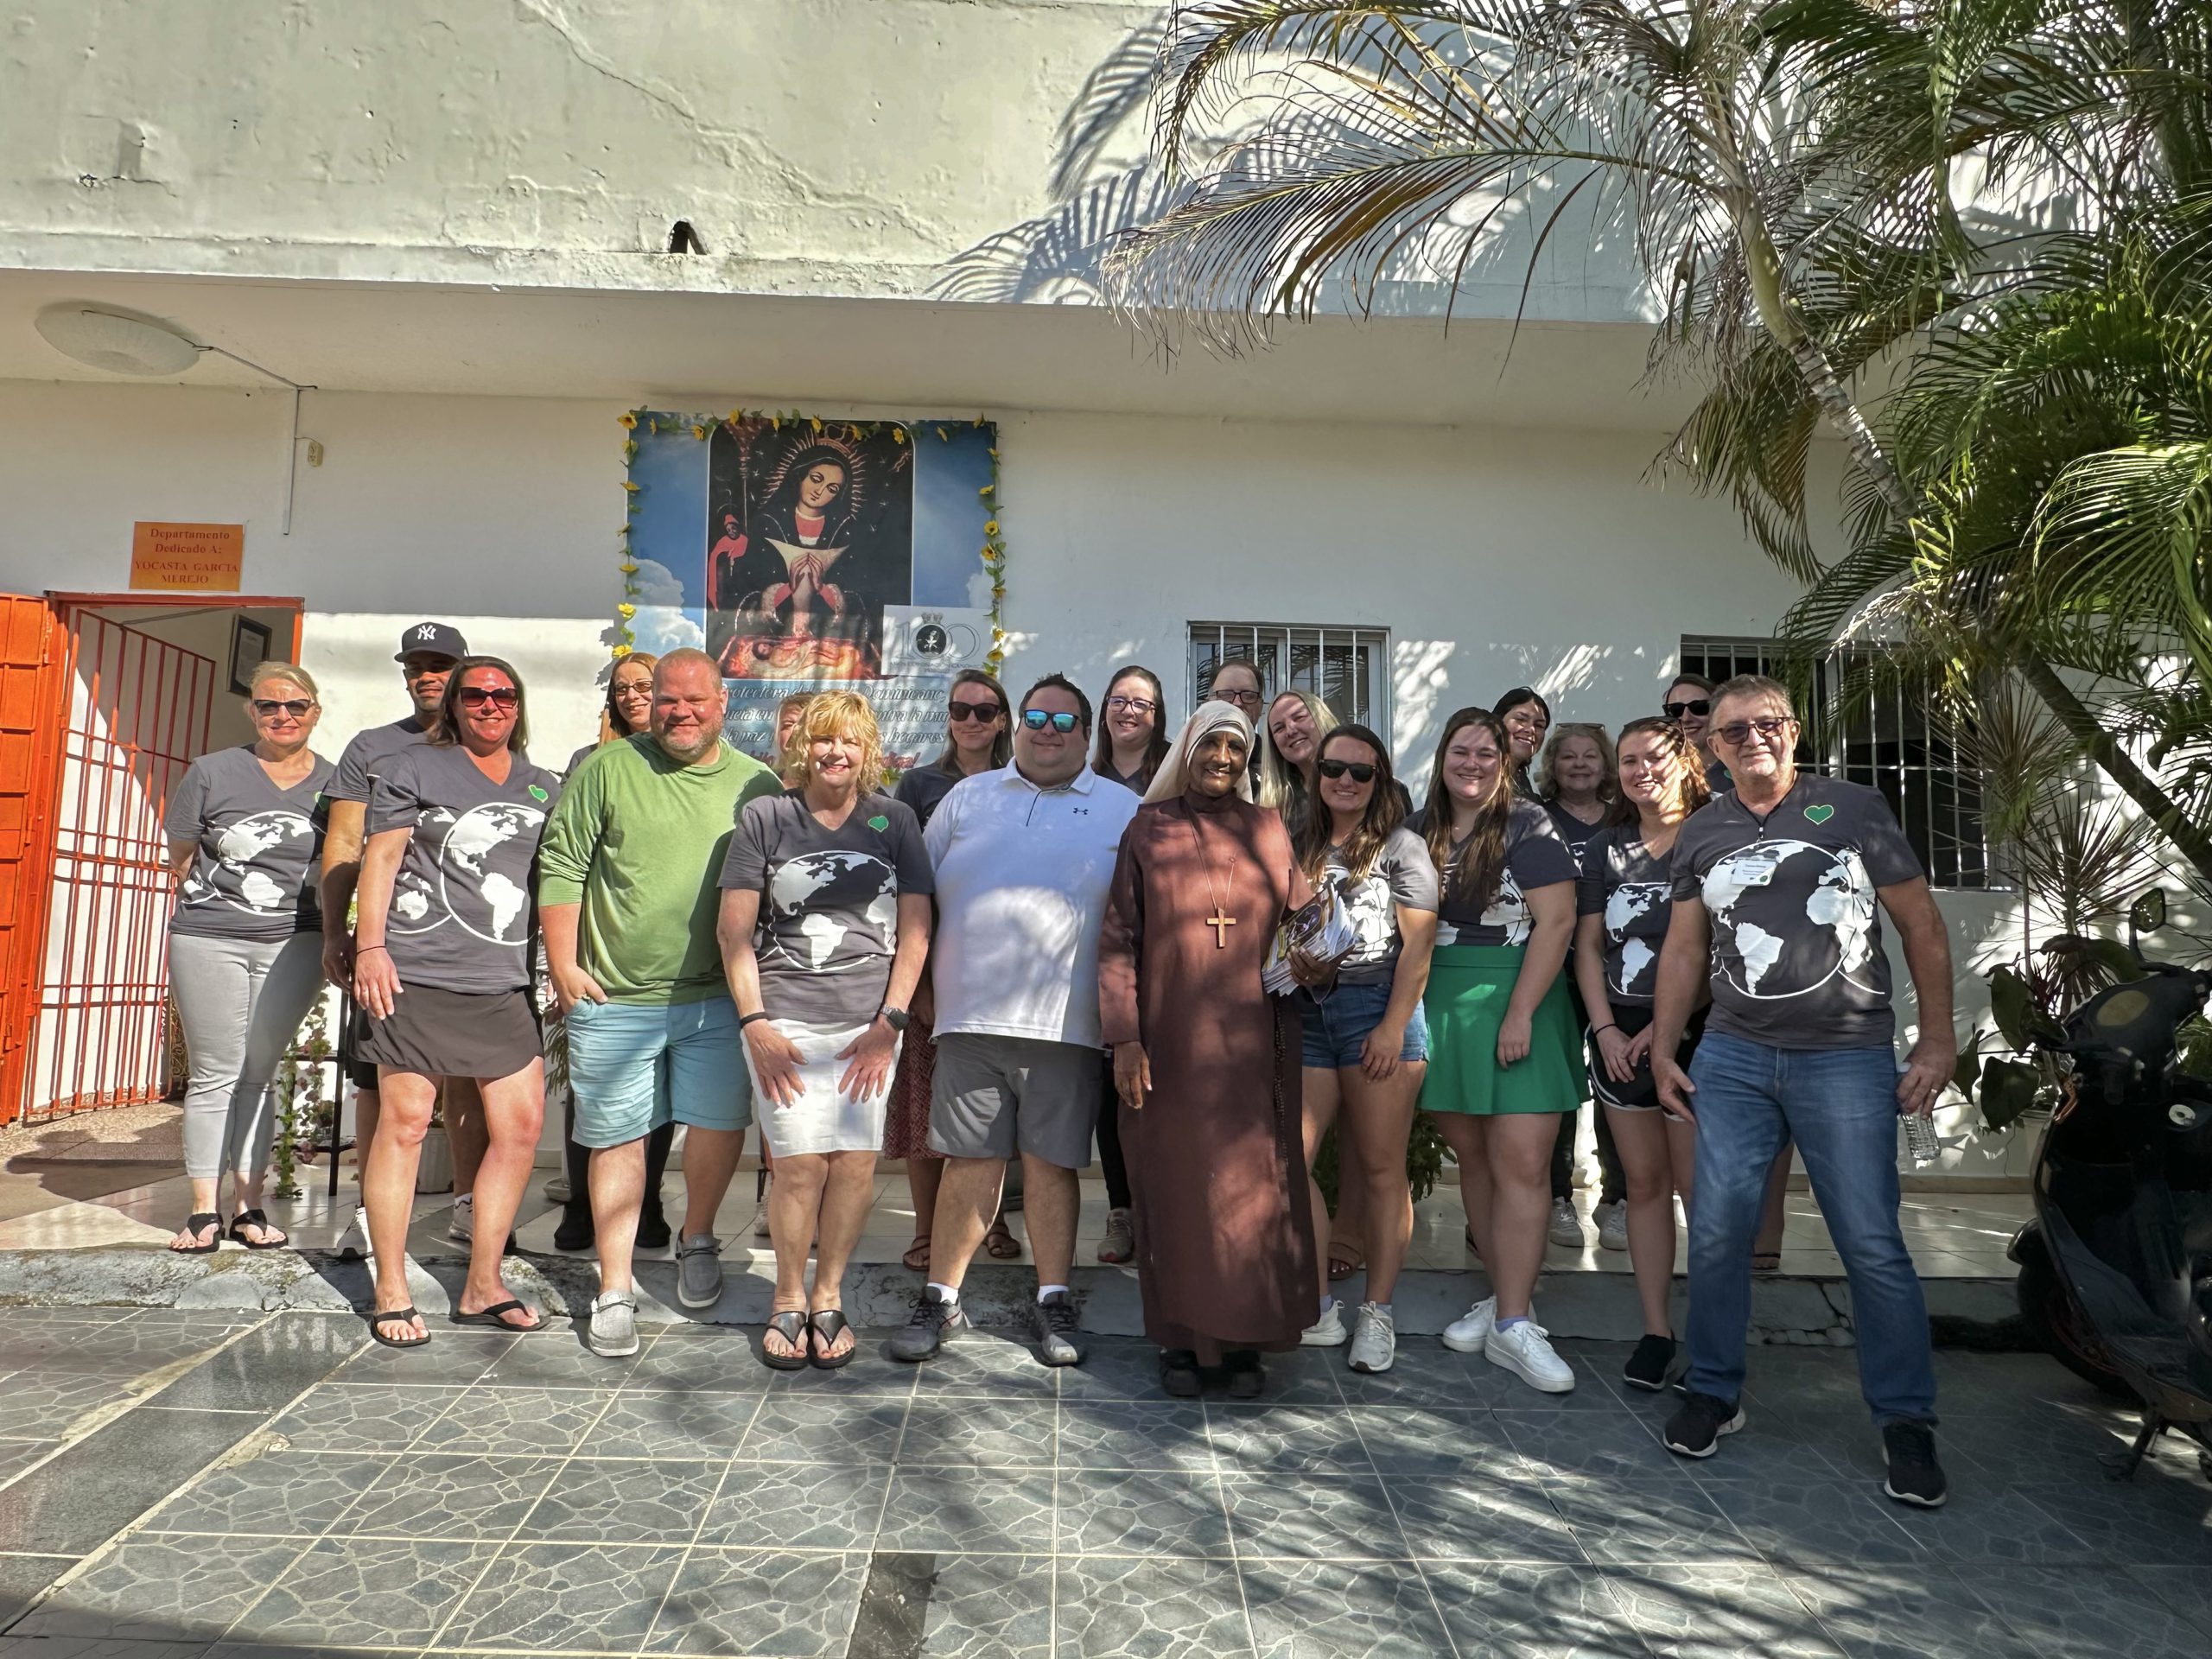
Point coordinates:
[(825, 926), (245, 844), (1290, 740), (628, 707)]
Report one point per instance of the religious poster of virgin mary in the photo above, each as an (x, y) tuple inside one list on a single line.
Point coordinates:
[(802, 551)]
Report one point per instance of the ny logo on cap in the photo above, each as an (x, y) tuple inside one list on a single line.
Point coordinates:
[(428, 631)]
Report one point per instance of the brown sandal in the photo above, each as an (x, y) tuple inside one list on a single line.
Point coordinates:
[(917, 1253), (1345, 1260), (1002, 1244)]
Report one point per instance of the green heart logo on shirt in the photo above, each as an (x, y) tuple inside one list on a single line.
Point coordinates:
[(879, 824), (1820, 814), (535, 793)]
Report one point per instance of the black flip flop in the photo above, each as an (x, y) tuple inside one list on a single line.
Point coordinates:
[(491, 1316), (790, 1326), (827, 1326), (245, 1218), (196, 1225), (395, 1315)]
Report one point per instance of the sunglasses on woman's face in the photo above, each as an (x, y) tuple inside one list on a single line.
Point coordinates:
[(269, 707), (495, 697), (1698, 706), (960, 713), (1360, 771), (1037, 719)]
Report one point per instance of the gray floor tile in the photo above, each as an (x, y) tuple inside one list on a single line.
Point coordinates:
[(842, 1430), (1115, 1607), (980, 1433), (521, 1420), (1257, 1440), (16, 1456), (76, 1647), (368, 1592), (760, 1602), (448, 1358), (1457, 1519), (57, 1403), (2184, 1590), (279, 1493), (989, 1607), (1140, 1512), (968, 1511), (1115, 1369), (1344, 1518), (557, 1358), (24, 1577), (1983, 1524), (1424, 1377), (667, 1423), (160, 1589), (1434, 1440), (714, 1360), (1904, 1612), (423, 1496), (655, 1502), (361, 1417), (1579, 1443), (2068, 1614), (268, 1366), (1100, 1433), (1373, 1610), (1819, 1522), (1620, 1523), (1513, 1610), (797, 1506), (985, 1362), (2145, 1521), (552, 1598), (90, 1490), (1727, 1610)]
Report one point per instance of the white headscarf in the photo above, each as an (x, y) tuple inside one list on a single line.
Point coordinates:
[(1175, 774)]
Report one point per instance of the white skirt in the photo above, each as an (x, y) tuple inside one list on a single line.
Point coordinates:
[(823, 1118)]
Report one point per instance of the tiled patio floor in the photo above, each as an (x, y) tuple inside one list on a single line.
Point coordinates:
[(179, 1485)]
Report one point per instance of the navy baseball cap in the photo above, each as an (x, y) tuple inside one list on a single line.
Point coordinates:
[(440, 639)]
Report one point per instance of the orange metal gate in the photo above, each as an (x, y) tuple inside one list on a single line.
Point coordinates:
[(27, 680), (131, 711)]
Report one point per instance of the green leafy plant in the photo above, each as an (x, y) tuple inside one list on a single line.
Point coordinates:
[(1424, 1162)]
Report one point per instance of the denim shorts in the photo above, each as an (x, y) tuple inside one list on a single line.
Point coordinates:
[(1337, 1023), (635, 1066)]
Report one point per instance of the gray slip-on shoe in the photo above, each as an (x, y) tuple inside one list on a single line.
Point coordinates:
[(613, 1333), (699, 1270)]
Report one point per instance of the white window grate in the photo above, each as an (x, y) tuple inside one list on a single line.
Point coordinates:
[(1346, 668), (1892, 740)]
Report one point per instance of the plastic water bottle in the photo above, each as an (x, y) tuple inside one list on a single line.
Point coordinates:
[(1920, 1139)]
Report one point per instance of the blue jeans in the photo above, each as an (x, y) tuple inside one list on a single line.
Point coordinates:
[(1840, 1105)]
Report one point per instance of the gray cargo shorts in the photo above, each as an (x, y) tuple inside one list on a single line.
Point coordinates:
[(993, 1096)]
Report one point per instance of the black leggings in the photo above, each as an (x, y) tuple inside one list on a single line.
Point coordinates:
[(577, 1161), (1111, 1164)]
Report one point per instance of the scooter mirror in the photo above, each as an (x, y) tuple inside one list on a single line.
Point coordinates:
[(2148, 913)]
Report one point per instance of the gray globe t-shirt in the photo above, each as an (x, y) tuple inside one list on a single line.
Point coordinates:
[(1797, 960), (1402, 874), (829, 901), (368, 756), (1534, 857), (461, 917), (260, 848), (1632, 887)]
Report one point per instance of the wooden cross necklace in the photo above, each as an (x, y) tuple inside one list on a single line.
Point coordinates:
[(1220, 921)]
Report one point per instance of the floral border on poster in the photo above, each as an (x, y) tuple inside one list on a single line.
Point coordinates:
[(701, 428)]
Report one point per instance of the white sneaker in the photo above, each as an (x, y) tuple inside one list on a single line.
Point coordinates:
[(1525, 1351), (353, 1244), (1375, 1345), (460, 1224), (1328, 1331), (1470, 1334), (1566, 1227), (761, 1220), (1612, 1225)]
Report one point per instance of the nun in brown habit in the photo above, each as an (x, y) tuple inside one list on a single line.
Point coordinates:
[(1206, 1064)]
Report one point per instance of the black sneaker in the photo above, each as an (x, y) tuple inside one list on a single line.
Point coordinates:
[(1647, 1366), (929, 1326), (1059, 1338), (1915, 1477), (1247, 1376), (1179, 1375), (575, 1231), (1692, 1431), (653, 1231)]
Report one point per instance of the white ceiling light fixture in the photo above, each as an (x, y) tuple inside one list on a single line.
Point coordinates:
[(119, 344)]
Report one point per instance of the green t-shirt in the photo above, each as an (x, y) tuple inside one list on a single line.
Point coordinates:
[(639, 840)]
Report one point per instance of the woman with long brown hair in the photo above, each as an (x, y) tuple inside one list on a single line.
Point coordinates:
[(1503, 1062), (1364, 1041)]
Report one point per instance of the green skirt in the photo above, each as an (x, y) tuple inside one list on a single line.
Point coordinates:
[(1469, 987)]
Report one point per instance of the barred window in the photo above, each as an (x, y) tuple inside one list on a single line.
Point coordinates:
[(1346, 668), (1893, 741)]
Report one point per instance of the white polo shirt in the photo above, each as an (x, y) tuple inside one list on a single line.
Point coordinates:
[(1022, 876)]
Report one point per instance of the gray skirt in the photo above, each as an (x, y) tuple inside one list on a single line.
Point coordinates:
[(438, 1033)]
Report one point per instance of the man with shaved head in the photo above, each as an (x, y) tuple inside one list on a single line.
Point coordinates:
[(628, 896)]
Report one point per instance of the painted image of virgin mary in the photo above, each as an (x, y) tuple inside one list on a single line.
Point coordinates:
[(802, 584)]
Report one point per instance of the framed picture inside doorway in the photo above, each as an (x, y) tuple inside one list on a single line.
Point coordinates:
[(249, 650)]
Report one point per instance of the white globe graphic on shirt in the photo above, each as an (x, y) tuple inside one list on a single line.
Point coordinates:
[(239, 850), (483, 870), (1812, 920), (1625, 907), (820, 887)]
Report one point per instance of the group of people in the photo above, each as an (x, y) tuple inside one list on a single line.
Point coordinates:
[(1073, 929)]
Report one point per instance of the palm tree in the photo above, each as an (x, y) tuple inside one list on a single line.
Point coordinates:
[(1786, 170)]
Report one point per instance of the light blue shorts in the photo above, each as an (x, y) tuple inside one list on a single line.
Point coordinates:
[(634, 1066)]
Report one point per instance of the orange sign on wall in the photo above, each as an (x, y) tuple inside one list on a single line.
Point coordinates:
[(192, 557)]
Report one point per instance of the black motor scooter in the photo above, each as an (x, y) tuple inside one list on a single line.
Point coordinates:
[(2116, 1266)]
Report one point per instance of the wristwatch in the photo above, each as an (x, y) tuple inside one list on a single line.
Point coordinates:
[(895, 1018)]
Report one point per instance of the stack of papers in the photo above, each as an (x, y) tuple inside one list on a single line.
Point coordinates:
[(1322, 932)]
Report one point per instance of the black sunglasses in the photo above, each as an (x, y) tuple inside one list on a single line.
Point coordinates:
[(1037, 719), (1361, 772), (497, 697), (962, 712), (1698, 706), (1737, 733), (268, 708)]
